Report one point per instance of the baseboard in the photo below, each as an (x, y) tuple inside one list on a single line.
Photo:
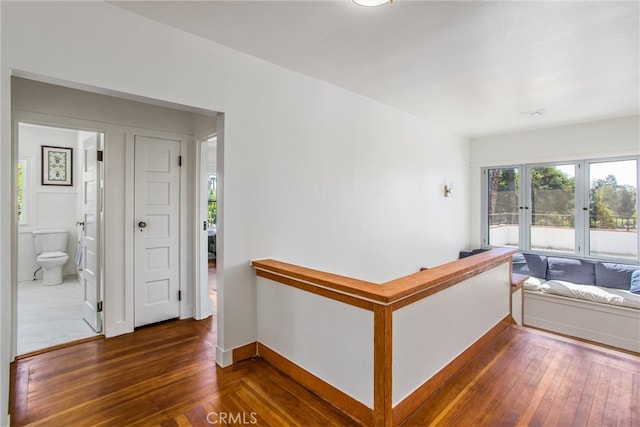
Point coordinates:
[(246, 351), (225, 358), (24, 277), (403, 409), (347, 404)]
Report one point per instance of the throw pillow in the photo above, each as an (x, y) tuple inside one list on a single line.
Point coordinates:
[(635, 282)]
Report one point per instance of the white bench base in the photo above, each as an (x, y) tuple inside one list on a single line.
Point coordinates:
[(602, 323)]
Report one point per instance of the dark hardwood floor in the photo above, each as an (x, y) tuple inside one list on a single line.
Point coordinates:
[(166, 375)]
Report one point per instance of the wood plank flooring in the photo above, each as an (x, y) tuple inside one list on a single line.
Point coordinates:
[(531, 378), (166, 375)]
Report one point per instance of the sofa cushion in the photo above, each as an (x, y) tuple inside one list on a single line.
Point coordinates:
[(532, 284), (531, 265), (464, 254), (571, 270), (631, 300), (612, 275), (585, 292), (635, 282)]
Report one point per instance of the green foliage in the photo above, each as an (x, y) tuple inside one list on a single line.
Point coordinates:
[(213, 207), (504, 186), (552, 197), (612, 205)]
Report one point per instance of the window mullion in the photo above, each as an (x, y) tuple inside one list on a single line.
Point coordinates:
[(582, 209), (525, 212)]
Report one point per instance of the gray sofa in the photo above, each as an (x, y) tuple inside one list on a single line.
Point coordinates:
[(593, 300)]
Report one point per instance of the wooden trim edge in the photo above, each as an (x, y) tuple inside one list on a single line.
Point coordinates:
[(399, 292), (403, 409), (347, 404), (246, 351), (314, 289), (382, 366), (59, 346)]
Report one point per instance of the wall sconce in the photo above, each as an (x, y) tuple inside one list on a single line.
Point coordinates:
[(448, 191)]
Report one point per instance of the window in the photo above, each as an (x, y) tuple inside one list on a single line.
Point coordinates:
[(503, 185), (585, 208), (613, 225), (23, 191), (212, 183), (552, 196)]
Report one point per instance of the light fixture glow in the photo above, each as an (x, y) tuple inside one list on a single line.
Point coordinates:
[(371, 3)]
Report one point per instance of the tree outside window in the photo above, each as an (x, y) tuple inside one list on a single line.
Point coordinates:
[(212, 217), (587, 208)]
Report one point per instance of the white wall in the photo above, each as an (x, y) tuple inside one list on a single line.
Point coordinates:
[(47, 206), (430, 333), (330, 339), (597, 139), (312, 174)]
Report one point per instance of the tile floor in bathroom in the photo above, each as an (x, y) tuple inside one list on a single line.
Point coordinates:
[(50, 315)]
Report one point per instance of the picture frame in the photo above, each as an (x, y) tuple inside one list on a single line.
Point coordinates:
[(57, 165)]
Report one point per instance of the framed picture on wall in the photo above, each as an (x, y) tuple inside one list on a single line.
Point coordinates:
[(57, 165)]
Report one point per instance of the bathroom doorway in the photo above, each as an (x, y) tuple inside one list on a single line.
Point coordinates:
[(208, 217), (59, 196)]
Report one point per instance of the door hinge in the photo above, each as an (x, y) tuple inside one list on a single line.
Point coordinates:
[(179, 295), (179, 160), (100, 155), (99, 306)]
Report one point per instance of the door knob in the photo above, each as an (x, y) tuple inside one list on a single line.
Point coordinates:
[(142, 224)]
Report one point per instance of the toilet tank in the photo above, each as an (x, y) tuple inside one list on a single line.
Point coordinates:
[(53, 240)]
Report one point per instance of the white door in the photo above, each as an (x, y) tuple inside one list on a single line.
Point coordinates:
[(89, 252), (157, 219)]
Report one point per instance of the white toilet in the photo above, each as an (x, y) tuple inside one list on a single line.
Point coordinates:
[(51, 256)]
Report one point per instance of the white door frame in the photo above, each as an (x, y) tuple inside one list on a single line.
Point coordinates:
[(202, 303), (42, 119)]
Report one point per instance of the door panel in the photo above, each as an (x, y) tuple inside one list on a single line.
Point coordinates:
[(157, 216), (90, 238)]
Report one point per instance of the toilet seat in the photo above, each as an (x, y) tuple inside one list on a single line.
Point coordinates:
[(51, 255)]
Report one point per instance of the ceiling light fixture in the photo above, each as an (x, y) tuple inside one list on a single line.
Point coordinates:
[(371, 3)]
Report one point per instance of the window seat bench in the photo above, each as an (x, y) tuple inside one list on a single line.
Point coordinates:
[(584, 299)]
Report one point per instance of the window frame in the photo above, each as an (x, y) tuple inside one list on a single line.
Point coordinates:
[(485, 204), (528, 203), (582, 180)]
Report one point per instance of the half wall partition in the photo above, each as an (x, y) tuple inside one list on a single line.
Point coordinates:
[(378, 351)]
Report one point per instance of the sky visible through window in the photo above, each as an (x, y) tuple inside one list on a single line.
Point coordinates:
[(624, 171)]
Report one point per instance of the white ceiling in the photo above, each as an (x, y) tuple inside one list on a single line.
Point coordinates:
[(471, 67)]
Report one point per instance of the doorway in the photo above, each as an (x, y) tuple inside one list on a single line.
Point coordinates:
[(212, 221), (59, 187), (120, 121), (207, 178)]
